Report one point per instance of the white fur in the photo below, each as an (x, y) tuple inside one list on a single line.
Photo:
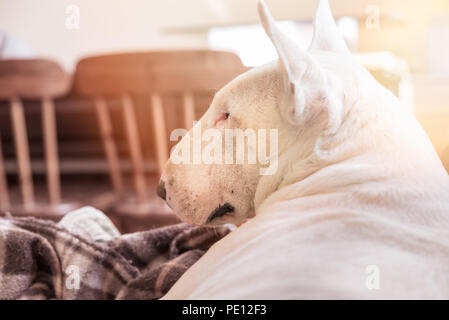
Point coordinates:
[(358, 184)]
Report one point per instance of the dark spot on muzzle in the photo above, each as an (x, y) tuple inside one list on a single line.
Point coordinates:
[(220, 211), (161, 190)]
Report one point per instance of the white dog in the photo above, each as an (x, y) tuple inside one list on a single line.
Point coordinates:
[(359, 204)]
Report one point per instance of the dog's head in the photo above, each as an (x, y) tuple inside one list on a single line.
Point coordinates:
[(281, 109)]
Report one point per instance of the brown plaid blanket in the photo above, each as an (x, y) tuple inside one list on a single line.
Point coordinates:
[(84, 257)]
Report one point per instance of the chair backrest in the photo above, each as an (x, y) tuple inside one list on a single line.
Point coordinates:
[(32, 79), (155, 74)]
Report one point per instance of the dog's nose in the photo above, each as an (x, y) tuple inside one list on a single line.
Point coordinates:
[(161, 190)]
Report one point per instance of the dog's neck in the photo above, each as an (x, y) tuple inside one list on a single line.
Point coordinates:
[(364, 152)]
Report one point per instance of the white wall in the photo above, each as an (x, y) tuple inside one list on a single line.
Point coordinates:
[(119, 25), (105, 26)]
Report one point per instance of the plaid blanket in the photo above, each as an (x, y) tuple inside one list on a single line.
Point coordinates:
[(84, 257)]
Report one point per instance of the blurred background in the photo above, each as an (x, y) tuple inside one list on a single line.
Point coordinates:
[(90, 90)]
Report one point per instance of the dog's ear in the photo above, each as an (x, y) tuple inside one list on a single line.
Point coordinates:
[(326, 36), (309, 86)]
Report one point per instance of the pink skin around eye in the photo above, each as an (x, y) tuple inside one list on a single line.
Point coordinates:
[(223, 116)]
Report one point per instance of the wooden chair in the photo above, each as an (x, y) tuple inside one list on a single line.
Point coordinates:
[(154, 74), (32, 79)]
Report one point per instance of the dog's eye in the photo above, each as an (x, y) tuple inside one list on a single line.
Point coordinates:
[(223, 116)]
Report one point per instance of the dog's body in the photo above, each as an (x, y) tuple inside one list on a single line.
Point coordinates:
[(317, 236), (368, 200)]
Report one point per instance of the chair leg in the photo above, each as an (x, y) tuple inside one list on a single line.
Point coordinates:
[(4, 193), (23, 155), (160, 131), (51, 152), (134, 148), (109, 145)]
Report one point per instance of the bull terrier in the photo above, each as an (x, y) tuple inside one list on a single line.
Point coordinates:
[(358, 206)]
